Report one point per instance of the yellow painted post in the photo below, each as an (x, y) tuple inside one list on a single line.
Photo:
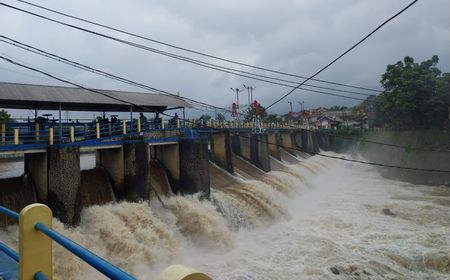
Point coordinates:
[(16, 136), (36, 129), (124, 127), (97, 129), (35, 248), (3, 133), (72, 134), (50, 135), (110, 129), (209, 123), (178, 123), (162, 122), (138, 125)]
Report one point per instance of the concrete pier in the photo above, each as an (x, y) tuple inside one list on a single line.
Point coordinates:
[(35, 165), (274, 140), (220, 152), (136, 160), (64, 183), (288, 141), (194, 164), (112, 161)]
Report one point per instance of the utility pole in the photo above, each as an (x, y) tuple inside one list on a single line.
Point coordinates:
[(237, 90), (290, 104), (302, 105), (250, 94)]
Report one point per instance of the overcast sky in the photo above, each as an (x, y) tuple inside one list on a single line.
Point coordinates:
[(292, 36)]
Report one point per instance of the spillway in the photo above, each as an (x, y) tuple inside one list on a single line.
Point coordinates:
[(310, 218)]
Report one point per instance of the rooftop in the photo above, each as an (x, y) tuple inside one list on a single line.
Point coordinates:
[(43, 97)]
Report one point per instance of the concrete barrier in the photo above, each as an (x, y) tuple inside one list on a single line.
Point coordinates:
[(220, 152), (136, 165), (64, 183), (274, 144), (194, 161)]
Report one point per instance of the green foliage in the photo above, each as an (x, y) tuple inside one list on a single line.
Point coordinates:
[(272, 118), (249, 114), (205, 117), (416, 95), (220, 117), (4, 116)]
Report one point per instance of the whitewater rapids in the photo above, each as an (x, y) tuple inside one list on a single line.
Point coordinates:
[(313, 218)]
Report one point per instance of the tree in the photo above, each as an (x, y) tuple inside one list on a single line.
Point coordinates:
[(205, 117), (4, 116), (415, 95), (220, 117), (250, 112)]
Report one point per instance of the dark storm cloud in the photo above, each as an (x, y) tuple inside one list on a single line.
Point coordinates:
[(292, 36)]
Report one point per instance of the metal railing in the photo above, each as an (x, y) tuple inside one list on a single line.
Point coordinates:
[(33, 232)]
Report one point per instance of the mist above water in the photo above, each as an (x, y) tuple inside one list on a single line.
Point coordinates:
[(310, 219)]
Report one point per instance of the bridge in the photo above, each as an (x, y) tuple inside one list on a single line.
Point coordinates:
[(126, 150)]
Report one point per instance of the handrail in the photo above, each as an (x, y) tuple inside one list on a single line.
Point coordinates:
[(9, 213), (10, 252), (92, 259), (95, 261)]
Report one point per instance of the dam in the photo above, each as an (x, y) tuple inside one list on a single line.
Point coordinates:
[(229, 201)]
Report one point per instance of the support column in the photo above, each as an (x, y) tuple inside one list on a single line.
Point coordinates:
[(194, 163), (259, 151), (288, 141), (64, 183), (220, 152), (36, 167), (112, 161), (136, 165), (274, 139)]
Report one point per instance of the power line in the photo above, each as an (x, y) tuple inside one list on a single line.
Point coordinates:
[(245, 74), (190, 50), (152, 89), (119, 99), (330, 156), (344, 53), (97, 71)]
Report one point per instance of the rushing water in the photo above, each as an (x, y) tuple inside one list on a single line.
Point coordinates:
[(310, 219)]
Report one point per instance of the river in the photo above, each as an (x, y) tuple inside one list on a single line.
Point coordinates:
[(314, 218)]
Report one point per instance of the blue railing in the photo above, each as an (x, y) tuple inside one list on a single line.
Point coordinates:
[(93, 260)]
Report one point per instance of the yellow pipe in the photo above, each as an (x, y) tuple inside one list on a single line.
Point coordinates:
[(35, 249), (124, 127), (16, 136), (138, 125), (50, 136), (162, 122), (72, 134), (36, 129), (180, 272), (178, 123), (97, 129)]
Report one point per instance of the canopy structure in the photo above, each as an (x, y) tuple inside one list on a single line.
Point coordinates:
[(27, 96)]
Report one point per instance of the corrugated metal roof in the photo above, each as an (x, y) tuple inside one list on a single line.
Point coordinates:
[(27, 96)]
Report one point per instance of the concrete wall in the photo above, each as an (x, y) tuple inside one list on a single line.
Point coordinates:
[(244, 144), (64, 183), (194, 162), (288, 141), (112, 161), (36, 167), (309, 142), (259, 149), (220, 152), (136, 166), (169, 157), (426, 156), (274, 140)]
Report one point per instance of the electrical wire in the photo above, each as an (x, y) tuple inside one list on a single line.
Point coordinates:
[(245, 74), (315, 153), (344, 53), (189, 50)]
